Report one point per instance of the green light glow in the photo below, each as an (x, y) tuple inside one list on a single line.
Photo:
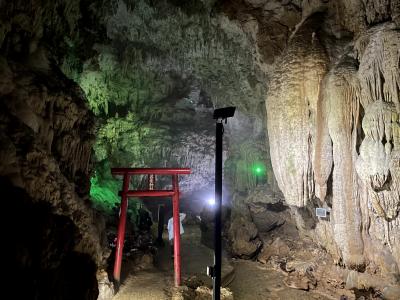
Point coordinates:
[(104, 193), (258, 169)]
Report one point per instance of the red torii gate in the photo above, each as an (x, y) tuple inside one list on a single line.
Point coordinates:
[(126, 193)]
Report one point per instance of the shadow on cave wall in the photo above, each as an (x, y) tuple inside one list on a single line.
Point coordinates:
[(40, 248)]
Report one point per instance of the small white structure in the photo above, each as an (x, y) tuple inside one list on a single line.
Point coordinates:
[(321, 212)]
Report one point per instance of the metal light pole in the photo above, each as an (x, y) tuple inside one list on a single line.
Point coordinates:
[(221, 114), (218, 201)]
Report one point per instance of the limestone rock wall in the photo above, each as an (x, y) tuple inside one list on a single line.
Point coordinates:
[(292, 104), (332, 111), (361, 96), (46, 137), (355, 92), (378, 160)]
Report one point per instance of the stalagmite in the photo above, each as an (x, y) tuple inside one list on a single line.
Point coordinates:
[(342, 94), (323, 159)]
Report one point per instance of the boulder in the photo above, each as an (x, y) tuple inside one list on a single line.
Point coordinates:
[(278, 248), (266, 208), (301, 267), (243, 235), (266, 220), (106, 288), (193, 282), (391, 292)]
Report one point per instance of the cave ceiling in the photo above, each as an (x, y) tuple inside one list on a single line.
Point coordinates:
[(152, 72)]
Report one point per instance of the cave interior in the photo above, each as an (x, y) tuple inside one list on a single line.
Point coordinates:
[(311, 158)]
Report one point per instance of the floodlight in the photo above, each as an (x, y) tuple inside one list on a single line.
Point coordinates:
[(224, 113)]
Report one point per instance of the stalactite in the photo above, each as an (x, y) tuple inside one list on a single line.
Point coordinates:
[(323, 159), (291, 113), (374, 161), (379, 67)]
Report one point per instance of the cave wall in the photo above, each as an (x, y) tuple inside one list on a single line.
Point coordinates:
[(42, 251), (46, 137), (47, 132), (332, 109)]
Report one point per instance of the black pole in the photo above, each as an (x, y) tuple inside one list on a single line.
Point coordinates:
[(220, 115), (160, 224), (218, 207)]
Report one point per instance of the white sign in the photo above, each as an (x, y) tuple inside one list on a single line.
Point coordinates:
[(321, 212)]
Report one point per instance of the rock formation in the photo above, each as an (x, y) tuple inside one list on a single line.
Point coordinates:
[(46, 136), (294, 95), (332, 111)]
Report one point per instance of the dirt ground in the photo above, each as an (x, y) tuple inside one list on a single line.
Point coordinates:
[(156, 282), (265, 283), (248, 280)]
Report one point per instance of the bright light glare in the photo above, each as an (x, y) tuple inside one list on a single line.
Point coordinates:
[(211, 201), (258, 170)]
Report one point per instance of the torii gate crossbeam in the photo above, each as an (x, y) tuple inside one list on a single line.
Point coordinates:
[(126, 193)]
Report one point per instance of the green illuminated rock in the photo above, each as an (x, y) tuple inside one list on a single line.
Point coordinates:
[(154, 78)]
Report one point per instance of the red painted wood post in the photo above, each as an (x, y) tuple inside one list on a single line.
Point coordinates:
[(121, 229), (177, 233)]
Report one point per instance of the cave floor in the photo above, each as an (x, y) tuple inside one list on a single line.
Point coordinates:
[(265, 283), (248, 280), (145, 285), (156, 283)]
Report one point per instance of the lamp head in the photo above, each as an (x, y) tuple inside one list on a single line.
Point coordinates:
[(224, 113)]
